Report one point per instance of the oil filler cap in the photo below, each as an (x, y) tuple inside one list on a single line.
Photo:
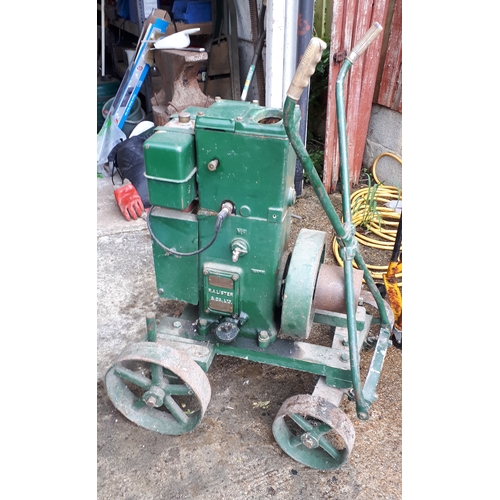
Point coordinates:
[(184, 117), (226, 332)]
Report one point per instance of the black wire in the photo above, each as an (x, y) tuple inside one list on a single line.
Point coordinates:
[(218, 225), (399, 238), (113, 169)]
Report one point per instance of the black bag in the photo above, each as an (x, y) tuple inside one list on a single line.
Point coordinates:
[(127, 157)]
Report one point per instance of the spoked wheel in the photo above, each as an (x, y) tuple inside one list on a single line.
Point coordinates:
[(314, 432), (158, 388)]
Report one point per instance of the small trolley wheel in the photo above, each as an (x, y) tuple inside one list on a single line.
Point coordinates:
[(158, 388), (314, 432)]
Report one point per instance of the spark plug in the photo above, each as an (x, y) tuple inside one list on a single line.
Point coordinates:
[(227, 209)]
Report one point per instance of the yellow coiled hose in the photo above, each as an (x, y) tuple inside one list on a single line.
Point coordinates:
[(385, 227)]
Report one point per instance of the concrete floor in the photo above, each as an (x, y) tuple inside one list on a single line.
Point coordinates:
[(232, 454)]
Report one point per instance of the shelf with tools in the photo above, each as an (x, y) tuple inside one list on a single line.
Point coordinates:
[(121, 36), (199, 77)]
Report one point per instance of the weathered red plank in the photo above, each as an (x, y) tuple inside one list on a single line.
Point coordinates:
[(398, 97), (390, 84), (350, 21), (349, 29), (331, 161), (355, 113), (370, 68), (343, 19)]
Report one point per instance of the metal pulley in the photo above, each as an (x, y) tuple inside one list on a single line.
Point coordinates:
[(310, 285)]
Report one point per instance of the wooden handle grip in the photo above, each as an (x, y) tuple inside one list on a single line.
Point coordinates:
[(306, 68), (364, 43)]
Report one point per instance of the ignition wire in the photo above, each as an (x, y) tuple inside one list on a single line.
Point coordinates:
[(227, 208)]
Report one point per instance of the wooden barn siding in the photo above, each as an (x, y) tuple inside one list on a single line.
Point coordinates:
[(350, 21), (389, 88)]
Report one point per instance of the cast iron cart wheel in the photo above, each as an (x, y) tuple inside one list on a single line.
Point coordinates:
[(314, 432), (158, 388)]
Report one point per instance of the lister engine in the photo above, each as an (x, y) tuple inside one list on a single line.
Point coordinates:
[(221, 183), (221, 186)]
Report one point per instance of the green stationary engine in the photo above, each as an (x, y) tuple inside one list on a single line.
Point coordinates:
[(233, 153), (221, 186)]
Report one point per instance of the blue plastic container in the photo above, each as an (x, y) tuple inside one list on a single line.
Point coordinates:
[(193, 11)]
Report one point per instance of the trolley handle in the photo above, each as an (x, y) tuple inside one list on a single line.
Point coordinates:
[(365, 42), (306, 68)]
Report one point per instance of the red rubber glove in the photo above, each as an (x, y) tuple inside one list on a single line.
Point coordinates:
[(129, 201)]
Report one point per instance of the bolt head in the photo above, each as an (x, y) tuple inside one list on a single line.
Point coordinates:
[(151, 401), (154, 397), (212, 165), (263, 336), (309, 441)]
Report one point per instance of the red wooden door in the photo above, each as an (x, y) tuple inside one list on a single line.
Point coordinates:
[(389, 88), (350, 21)]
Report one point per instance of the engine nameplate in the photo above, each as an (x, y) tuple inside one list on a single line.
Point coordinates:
[(221, 290)]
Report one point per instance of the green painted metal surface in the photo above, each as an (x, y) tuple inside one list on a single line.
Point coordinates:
[(241, 285), (170, 167), (176, 277), (187, 333), (255, 168), (148, 397), (256, 163), (295, 355), (376, 364), (243, 154), (298, 312), (314, 432), (337, 319), (346, 234), (257, 273)]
